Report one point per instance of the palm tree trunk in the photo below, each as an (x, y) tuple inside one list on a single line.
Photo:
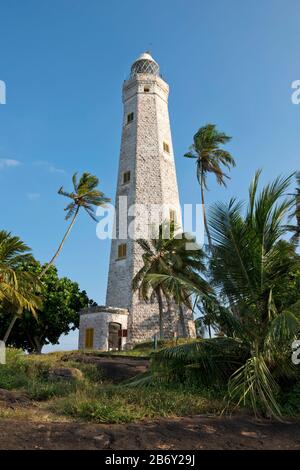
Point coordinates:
[(161, 312), (61, 245), (204, 212), (181, 315), (10, 327), (209, 330)]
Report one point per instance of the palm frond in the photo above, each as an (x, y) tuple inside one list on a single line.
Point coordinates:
[(254, 382), (214, 359), (18, 288)]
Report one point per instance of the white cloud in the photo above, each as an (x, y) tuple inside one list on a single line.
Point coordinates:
[(8, 163), (33, 196), (51, 168)]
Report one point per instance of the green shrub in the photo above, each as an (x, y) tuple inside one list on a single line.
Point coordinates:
[(290, 400), (13, 373), (31, 374)]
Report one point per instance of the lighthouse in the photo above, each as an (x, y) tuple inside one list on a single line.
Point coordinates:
[(146, 186)]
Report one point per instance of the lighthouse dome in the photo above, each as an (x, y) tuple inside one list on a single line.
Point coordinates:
[(144, 64)]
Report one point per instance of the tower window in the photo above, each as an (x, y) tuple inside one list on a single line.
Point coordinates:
[(146, 89), (166, 147), (130, 117), (89, 338), (126, 177), (122, 251), (172, 215)]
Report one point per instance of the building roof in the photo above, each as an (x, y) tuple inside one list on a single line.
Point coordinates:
[(144, 64)]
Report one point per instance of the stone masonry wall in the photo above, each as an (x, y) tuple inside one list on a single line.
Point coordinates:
[(153, 181)]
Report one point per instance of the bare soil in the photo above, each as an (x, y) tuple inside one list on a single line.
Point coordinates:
[(197, 432)]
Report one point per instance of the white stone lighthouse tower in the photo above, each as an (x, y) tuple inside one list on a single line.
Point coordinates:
[(146, 177), (146, 185)]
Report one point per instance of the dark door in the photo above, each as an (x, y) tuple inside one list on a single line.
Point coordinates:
[(114, 336)]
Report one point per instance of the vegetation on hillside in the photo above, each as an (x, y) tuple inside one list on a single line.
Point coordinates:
[(246, 286), (88, 396), (250, 266)]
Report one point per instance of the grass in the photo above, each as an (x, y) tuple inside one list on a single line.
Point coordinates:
[(112, 404), (90, 398), (30, 374), (143, 350)]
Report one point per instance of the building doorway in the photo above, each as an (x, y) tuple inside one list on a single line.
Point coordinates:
[(89, 338), (114, 336)]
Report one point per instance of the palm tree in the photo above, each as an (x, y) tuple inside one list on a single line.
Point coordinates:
[(18, 289), (168, 264), (209, 159), (250, 262), (86, 196), (200, 327), (209, 308), (296, 212)]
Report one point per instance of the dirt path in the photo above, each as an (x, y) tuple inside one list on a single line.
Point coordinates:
[(189, 433)]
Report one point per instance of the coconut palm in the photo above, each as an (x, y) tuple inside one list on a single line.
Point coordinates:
[(296, 212), (209, 159), (250, 261), (18, 289), (168, 264), (209, 308), (85, 195)]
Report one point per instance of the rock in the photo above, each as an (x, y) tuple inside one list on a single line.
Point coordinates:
[(115, 371), (115, 368), (103, 440), (65, 373)]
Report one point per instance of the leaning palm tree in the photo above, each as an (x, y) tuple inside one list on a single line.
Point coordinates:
[(86, 196), (168, 263), (209, 159), (18, 289), (250, 261)]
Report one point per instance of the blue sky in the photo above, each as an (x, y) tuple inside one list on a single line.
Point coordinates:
[(63, 61)]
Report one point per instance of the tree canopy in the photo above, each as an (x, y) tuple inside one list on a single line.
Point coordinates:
[(61, 301)]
